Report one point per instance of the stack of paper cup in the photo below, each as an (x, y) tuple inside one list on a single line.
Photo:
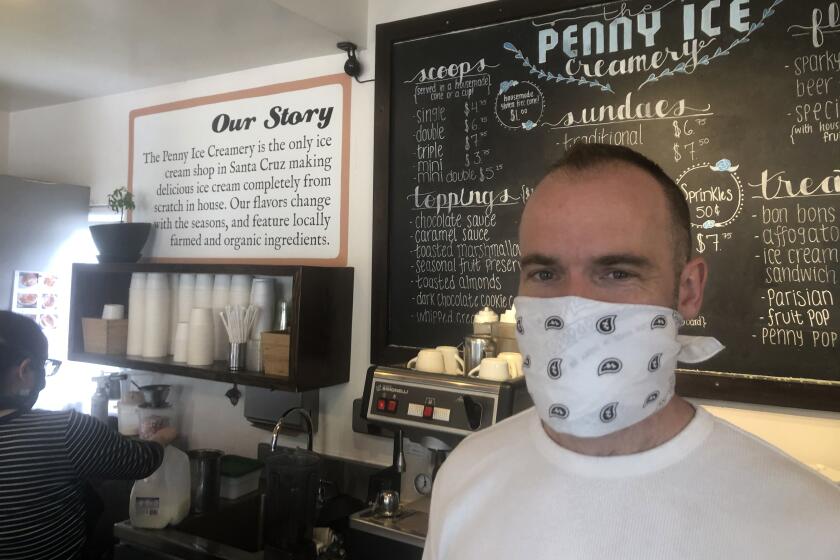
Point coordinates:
[(203, 294), (174, 318), (240, 290), (253, 356), (111, 311), (262, 296), (200, 337), (156, 318), (181, 340), (186, 292), (136, 312), (221, 295)]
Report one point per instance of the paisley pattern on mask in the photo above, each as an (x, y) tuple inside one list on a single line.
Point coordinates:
[(610, 365), (606, 325), (659, 322), (555, 368), (655, 362), (554, 322), (592, 367)]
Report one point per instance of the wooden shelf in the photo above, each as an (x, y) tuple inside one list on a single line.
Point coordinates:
[(320, 313), (216, 372)]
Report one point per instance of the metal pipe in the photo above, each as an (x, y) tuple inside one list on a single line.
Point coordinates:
[(279, 426), (399, 455)]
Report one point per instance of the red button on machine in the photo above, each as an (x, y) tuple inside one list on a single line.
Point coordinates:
[(380, 404), (428, 411), (392, 406)]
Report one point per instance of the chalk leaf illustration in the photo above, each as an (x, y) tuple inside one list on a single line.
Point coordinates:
[(719, 52)]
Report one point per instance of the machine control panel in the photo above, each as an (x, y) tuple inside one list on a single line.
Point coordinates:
[(424, 402)]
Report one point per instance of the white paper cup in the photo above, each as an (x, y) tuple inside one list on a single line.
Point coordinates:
[(253, 356), (240, 290), (174, 318), (182, 331), (113, 311), (200, 337), (186, 294), (262, 296), (136, 313), (221, 291), (156, 316), (203, 294)]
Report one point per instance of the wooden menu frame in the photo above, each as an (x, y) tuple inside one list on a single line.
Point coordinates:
[(758, 389)]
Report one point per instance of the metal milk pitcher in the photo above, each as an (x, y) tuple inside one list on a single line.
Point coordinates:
[(477, 347)]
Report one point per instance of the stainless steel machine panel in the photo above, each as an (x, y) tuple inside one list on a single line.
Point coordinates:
[(445, 409), (438, 404)]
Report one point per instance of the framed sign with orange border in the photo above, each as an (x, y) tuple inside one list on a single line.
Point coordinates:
[(254, 176)]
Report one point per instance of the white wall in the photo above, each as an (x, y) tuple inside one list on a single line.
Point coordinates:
[(383, 11), (4, 141), (87, 143)]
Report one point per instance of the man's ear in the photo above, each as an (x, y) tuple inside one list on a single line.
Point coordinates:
[(23, 371), (691, 287)]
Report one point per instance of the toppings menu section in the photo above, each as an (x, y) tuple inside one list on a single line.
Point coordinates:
[(459, 261), (257, 175), (738, 101)]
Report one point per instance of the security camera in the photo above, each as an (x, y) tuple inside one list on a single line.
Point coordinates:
[(352, 67)]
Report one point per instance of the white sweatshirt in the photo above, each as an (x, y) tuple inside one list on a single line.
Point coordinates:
[(711, 492)]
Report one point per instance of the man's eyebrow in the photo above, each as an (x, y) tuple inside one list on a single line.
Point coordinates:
[(537, 259), (626, 259)]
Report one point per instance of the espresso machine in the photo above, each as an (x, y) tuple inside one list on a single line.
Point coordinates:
[(435, 411)]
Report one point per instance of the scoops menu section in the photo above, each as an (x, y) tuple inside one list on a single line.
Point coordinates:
[(459, 259), (738, 101)]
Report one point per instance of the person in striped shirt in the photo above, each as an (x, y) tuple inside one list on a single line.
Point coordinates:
[(47, 457)]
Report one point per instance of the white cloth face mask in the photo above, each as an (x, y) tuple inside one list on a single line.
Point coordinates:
[(594, 368)]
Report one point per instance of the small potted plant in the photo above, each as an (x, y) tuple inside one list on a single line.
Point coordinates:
[(123, 241)]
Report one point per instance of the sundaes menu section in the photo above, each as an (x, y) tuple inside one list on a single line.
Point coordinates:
[(256, 175), (738, 101)]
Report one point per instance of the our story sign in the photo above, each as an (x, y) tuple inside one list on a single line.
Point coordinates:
[(258, 175)]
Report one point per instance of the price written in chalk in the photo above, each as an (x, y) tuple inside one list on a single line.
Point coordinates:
[(685, 130), (713, 240)]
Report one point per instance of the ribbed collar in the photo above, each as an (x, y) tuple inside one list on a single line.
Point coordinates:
[(623, 466)]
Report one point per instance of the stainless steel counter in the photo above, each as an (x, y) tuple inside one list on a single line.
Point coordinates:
[(233, 532), (409, 527)]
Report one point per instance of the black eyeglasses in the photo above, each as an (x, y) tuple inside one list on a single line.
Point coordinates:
[(51, 367)]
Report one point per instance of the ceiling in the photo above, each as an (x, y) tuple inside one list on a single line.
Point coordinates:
[(57, 51)]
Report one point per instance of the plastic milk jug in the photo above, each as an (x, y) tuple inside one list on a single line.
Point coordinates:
[(164, 497)]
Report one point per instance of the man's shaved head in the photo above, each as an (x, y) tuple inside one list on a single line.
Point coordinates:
[(585, 157)]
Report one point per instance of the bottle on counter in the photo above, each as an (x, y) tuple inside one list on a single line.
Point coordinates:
[(504, 332), (484, 320), (99, 401)]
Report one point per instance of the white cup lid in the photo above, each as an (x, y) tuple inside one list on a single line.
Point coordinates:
[(486, 315)]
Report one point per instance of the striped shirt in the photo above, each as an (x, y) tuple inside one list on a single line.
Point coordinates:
[(44, 458)]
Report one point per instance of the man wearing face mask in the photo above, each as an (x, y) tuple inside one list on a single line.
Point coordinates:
[(610, 463), (46, 457)]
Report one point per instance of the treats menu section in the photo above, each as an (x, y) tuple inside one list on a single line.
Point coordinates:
[(739, 101)]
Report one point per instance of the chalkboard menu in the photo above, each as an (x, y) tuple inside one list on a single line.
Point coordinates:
[(738, 100)]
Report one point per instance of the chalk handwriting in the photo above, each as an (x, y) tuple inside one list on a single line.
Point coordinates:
[(820, 24)]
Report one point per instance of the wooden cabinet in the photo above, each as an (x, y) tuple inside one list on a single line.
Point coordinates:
[(320, 314)]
